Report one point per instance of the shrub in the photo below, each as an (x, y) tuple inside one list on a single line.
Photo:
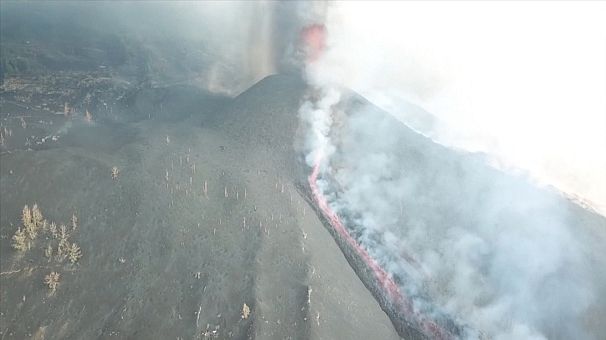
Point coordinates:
[(37, 218), (26, 216), (28, 223), (74, 222), (20, 240), (53, 230), (48, 252), (115, 172), (52, 280), (74, 253), (245, 311)]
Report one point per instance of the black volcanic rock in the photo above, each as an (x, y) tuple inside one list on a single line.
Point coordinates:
[(265, 119)]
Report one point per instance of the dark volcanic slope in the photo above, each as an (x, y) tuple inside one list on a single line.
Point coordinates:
[(265, 119), (162, 258)]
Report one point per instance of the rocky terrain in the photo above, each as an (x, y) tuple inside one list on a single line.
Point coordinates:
[(202, 217)]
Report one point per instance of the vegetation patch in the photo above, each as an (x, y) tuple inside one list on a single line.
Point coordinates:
[(58, 248)]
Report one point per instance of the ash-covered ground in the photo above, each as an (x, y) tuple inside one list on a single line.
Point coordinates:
[(189, 220), (202, 217)]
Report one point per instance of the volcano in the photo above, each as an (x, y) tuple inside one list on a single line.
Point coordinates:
[(156, 183), (204, 217), (209, 212)]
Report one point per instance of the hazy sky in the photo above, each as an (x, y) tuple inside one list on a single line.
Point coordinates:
[(524, 82)]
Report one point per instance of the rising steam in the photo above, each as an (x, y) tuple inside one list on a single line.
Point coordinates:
[(492, 250)]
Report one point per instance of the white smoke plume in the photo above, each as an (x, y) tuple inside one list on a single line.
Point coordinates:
[(319, 123), (495, 251), (523, 83)]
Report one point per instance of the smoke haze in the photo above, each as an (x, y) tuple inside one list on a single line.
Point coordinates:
[(523, 83), (222, 46), (495, 251)]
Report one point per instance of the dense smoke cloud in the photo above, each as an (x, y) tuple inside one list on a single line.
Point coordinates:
[(523, 83), (492, 250), (508, 266)]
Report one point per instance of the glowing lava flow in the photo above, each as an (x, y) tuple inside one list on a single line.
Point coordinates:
[(428, 327), (314, 40)]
